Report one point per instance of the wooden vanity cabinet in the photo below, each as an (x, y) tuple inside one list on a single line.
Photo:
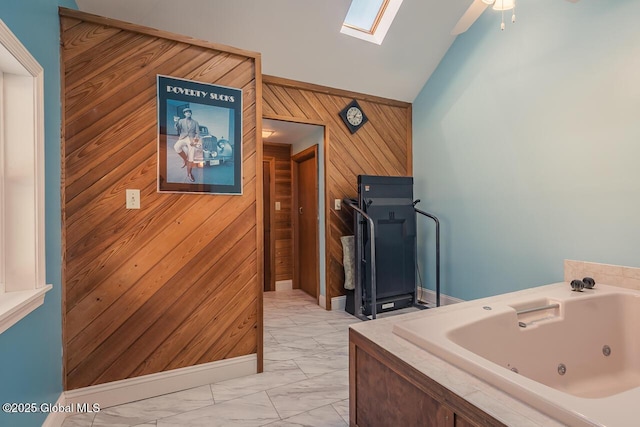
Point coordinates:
[(385, 391)]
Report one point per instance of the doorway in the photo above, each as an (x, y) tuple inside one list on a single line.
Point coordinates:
[(305, 190), (298, 137)]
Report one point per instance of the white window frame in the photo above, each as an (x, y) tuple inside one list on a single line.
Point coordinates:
[(22, 240)]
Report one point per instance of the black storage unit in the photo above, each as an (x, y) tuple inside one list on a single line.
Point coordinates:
[(388, 201)]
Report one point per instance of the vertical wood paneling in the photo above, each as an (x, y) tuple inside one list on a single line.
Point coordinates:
[(381, 147), (281, 153), (177, 282)]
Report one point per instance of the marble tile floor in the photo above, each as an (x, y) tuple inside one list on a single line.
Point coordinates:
[(305, 380)]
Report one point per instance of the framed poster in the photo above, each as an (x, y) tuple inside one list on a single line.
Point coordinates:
[(199, 137)]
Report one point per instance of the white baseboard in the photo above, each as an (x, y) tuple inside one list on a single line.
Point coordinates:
[(322, 301), (338, 303), (429, 296), (144, 387), (56, 419), (284, 285)]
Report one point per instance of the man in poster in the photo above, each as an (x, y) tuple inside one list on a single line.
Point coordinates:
[(189, 138)]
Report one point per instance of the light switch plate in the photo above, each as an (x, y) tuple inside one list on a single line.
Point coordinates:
[(277, 206), (133, 199)]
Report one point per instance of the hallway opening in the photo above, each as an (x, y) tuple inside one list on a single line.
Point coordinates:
[(294, 204)]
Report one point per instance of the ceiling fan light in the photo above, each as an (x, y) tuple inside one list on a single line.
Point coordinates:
[(489, 2), (504, 5)]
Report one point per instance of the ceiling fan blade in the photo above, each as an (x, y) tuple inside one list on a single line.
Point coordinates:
[(473, 12)]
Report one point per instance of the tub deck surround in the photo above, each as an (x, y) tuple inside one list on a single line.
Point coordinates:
[(620, 275), (417, 363), (493, 337)]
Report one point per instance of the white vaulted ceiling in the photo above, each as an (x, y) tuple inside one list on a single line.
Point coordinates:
[(301, 39)]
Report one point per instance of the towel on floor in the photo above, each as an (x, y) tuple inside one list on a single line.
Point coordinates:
[(349, 261)]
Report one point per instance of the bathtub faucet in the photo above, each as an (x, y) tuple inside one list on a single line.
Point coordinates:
[(579, 285)]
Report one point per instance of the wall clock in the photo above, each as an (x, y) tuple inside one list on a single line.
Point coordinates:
[(353, 116)]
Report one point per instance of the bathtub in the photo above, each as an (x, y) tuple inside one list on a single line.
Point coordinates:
[(574, 356)]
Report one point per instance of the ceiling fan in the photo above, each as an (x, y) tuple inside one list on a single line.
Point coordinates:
[(474, 11)]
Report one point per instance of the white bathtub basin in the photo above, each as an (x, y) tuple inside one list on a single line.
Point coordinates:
[(592, 338)]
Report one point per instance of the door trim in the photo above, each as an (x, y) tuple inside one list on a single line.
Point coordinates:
[(327, 208), (309, 153), (271, 161)]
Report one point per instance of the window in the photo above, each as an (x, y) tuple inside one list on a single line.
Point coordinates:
[(365, 15), (370, 19), (22, 271)]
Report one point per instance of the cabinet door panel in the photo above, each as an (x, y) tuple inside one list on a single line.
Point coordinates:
[(384, 399)]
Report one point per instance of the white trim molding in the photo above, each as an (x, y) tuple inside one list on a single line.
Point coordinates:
[(146, 386), (152, 385), (56, 419), (16, 305), (429, 296), (338, 303), (22, 236)]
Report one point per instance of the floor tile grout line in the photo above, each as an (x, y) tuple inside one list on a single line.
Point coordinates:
[(274, 406)]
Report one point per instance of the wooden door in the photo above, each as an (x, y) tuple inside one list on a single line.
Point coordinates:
[(268, 190), (306, 164)]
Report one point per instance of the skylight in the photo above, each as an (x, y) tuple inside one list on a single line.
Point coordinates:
[(370, 19), (364, 15)]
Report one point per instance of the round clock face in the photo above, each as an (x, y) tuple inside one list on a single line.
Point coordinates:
[(354, 116)]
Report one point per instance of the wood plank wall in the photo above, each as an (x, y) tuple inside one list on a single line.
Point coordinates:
[(281, 153), (381, 147), (178, 282)]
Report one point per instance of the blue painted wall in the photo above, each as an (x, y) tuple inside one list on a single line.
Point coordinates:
[(527, 146), (31, 350)]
